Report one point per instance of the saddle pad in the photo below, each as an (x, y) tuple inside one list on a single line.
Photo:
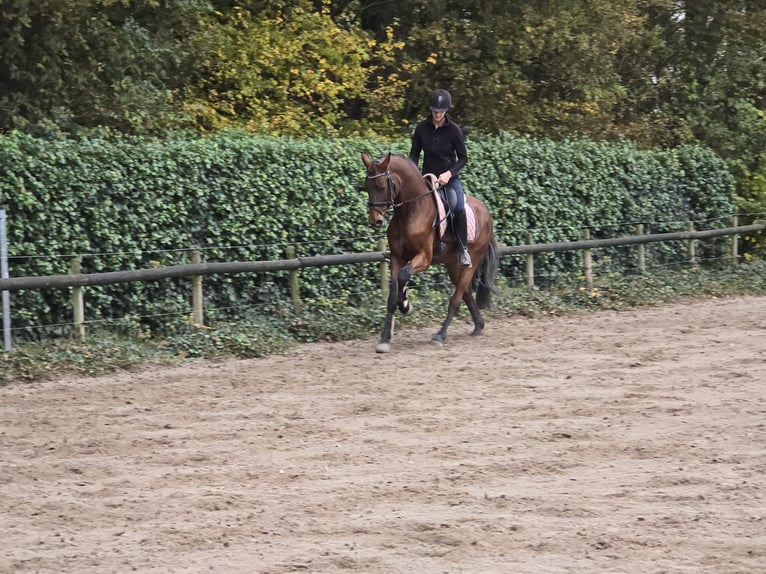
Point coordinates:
[(469, 217)]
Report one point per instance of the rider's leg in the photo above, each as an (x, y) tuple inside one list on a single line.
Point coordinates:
[(460, 223)]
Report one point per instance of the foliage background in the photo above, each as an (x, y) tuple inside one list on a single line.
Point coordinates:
[(659, 73)]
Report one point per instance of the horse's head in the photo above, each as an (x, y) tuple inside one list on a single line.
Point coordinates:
[(380, 189)]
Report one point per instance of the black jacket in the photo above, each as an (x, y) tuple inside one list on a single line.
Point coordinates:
[(443, 148)]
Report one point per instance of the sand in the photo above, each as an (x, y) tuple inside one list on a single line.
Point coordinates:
[(615, 442)]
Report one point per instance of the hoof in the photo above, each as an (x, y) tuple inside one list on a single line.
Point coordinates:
[(437, 340), (477, 331), (383, 347)]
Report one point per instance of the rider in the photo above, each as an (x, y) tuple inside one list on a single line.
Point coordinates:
[(444, 155)]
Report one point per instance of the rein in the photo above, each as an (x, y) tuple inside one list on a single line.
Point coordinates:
[(391, 193)]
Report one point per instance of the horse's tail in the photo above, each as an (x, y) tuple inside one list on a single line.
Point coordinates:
[(484, 278)]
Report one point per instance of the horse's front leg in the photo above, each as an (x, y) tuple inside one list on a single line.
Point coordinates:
[(384, 345), (397, 297), (402, 302)]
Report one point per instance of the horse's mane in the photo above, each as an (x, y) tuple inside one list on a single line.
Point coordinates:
[(406, 164), (404, 158)]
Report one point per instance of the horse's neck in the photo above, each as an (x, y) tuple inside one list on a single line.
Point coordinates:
[(414, 199)]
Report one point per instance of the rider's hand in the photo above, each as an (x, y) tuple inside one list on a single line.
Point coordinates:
[(445, 177)]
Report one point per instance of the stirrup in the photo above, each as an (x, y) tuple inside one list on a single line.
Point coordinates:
[(465, 259)]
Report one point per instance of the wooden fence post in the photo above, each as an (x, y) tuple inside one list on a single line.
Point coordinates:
[(78, 302), (198, 315), (588, 261), (530, 263), (641, 250), (6, 296), (295, 288), (691, 247), (735, 240)]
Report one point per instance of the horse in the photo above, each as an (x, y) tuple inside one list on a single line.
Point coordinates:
[(394, 182)]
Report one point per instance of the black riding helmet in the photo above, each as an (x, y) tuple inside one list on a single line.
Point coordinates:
[(441, 100)]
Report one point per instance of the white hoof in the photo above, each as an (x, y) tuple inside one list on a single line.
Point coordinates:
[(383, 347), (437, 343)]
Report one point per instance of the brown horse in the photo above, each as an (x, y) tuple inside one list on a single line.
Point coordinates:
[(394, 181)]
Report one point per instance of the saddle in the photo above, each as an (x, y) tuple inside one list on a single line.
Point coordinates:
[(444, 214)]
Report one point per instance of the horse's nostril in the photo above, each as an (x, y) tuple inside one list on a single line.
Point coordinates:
[(378, 224)]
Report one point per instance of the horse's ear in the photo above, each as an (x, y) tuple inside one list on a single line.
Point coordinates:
[(384, 162), (366, 160)]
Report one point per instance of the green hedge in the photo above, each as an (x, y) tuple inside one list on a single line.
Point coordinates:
[(124, 203), (557, 189)]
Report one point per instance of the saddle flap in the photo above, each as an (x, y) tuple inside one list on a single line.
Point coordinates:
[(442, 209)]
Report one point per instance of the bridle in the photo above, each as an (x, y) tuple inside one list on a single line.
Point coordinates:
[(391, 191), (391, 186)]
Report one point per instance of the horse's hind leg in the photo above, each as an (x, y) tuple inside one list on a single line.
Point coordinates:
[(478, 320), (461, 289), (473, 307)]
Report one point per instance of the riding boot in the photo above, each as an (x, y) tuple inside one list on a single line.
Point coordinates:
[(461, 234)]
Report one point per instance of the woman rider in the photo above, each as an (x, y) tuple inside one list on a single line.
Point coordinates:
[(443, 145)]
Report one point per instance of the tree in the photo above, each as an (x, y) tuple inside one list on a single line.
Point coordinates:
[(75, 63), (535, 67), (719, 74), (288, 71)]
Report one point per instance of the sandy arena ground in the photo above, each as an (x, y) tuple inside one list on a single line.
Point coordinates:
[(615, 442)]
